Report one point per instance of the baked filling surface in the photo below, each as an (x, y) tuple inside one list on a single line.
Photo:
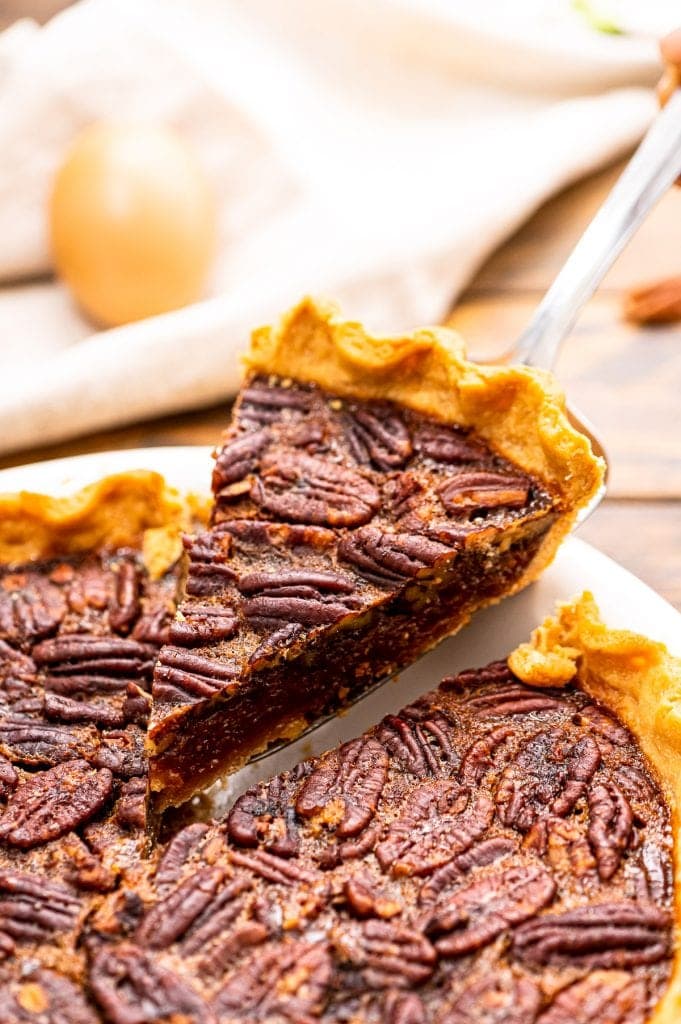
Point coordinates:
[(496, 853)]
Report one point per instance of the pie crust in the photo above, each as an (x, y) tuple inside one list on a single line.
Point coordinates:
[(132, 509), (640, 682)]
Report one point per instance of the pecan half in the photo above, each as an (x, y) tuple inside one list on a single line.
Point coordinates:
[(479, 491), (611, 997), (289, 983), (129, 986), (501, 999), (177, 853), (8, 777), (549, 774), (237, 459), (263, 403), (209, 553), (388, 558), (124, 604), (231, 946), (28, 740), (377, 436), (202, 624), (170, 918), (482, 853), (421, 739), (610, 826), (476, 914), (403, 1008), (131, 809), (345, 787), (438, 821), (448, 444), (604, 726), (181, 677), (265, 815), (622, 935), (305, 489), (306, 597), (50, 803), (122, 752), (30, 607), (656, 882), (214, 920), (479, 758), (274, 869), (512, 699), (388, 954), (33, 908)]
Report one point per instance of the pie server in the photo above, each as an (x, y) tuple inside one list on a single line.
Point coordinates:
[(652, 170)]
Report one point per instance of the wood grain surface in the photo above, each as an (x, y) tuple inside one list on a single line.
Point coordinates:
[(626, 380)]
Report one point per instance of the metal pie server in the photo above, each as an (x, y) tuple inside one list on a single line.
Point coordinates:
[(652, 170)]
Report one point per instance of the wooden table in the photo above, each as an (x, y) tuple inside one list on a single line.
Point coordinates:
[(626, 380)]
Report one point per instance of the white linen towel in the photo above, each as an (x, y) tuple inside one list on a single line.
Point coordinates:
[(374, 151)]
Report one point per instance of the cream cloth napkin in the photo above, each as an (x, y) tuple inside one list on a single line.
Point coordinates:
[(371, 150)]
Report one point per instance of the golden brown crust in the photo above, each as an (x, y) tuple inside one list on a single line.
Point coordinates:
[(134, 509), (641, 683), (518, 410)]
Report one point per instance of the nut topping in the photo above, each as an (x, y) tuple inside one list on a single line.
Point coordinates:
[(377, 436), (305, 489), (611, 997), (126, 983), (483, 491), (621, 935), (181, 677), (384, 557), (308, 598), (237, 459), (476, 914), (611, 821), (345, 789), (287, 984), (549, 772), (387, 953), (51, 803), (502, 999), (438, 821)]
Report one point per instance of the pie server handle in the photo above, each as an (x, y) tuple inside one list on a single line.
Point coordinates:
[(653, 168)]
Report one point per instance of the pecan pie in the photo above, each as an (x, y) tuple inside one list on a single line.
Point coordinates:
[(370, 494), (499, 852)]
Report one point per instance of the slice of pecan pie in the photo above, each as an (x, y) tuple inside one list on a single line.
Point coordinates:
[(499, 852), (370, 494)]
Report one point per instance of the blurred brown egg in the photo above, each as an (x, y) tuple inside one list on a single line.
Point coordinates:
[(132, 222)]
